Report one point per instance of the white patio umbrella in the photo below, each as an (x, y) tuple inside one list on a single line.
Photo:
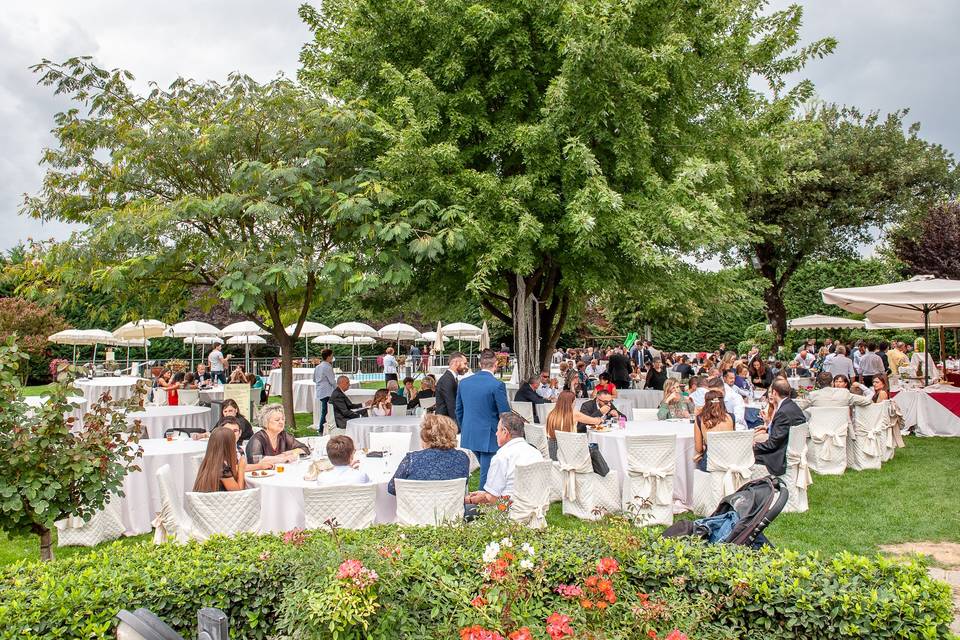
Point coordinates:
[(399, 331), (193, 329), (244, 328), (430, 336), (246, 339), (818, 321), (484, 337), (354, 330), (439, 339), (463, 331), (133, 343), (328, 339), (142, 328), (308, 330), (79, 337), (921, 299)]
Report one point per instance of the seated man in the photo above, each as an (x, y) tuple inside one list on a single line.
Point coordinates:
[(340, 451), (732, 398), (697, 392), (772, 452), (514, 451), (796, 370), (203, 377), (343, 409), (528, 393), (600, 407), (548, 388)]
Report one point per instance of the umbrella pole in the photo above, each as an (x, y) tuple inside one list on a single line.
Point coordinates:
[(74, 355), (192, 347), (926, 344), (306, 343), (95, 355)]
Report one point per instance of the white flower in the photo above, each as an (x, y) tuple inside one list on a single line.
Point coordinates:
[(506, 542), (491, 552), (403, 536), (526, 564), (528, 549)]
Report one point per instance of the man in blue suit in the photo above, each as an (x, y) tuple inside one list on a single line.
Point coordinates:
[(481, 399)]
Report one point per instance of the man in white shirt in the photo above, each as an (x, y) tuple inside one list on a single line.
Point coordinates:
[(840, 364), (340, 451), (513, 452), (857, 354), (806, 358), (871, 365), (734, 401), (389, 366), (699, 394), (548, 388), (218, 364)]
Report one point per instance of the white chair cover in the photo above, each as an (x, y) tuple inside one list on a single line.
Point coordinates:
[(172, 522), (544, 410), (586, 495), (525, 409), (428, 403), (195, 462), (729, 466), (827, 454), (223, 512), (531, 494), (429, 502), (867, 440), (894, 439), (397, 442), (159, 397), (351, 506), (536, 435), (104, 525), (798, 476), (644, 415), (316, 443), (188, 397), (651, 465)]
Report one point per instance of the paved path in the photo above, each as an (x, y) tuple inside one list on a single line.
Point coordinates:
[(951, 577)]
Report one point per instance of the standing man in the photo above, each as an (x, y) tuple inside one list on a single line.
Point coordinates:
[(840, 364), (871, 365), (481, 399), (446, 404), (896, 359), (325, 381), (390, 366), (218, 362), (415, 357), (619, 369)]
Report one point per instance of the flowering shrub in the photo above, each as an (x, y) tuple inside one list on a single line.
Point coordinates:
[(56, 366)]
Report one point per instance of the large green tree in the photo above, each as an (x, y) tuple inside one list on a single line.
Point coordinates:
[(255, 193), (828, 181), (930, 245), (569, 141)]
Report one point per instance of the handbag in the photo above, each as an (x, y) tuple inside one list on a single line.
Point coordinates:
[(600, 466)]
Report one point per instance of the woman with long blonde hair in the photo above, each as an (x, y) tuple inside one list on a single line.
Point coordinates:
[(565, 417), (673, 405)]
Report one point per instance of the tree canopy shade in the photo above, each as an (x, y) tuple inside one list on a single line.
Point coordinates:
[(568, 140), (255, 192), (835, 176), (931, 245)]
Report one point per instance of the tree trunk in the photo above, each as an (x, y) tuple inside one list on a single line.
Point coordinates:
[(286, 371), (46, 547), (776, 313), (526, 330)]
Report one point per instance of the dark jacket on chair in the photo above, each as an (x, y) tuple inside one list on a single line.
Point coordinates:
[(447, 396), (772, 453), (343, 409)]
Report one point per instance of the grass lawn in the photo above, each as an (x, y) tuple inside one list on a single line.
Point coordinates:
[(909, 500)]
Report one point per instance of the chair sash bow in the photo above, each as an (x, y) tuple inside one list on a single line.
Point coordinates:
[(799, 460), (649, 485), (734, 477)]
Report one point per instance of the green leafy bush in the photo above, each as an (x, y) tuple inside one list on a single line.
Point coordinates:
[(611, 581)]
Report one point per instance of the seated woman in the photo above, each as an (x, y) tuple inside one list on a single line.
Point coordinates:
[(189, 381), (256, 383), (427, 390), (230, 409), (741, 377), (604, 384), (713, 418), (760, 376), (565, 418), (439, 459), (221, 470), (408, 391), (841, 381), (381, 404), (238, 376), (673, 405), (273, 444), (881, 390)]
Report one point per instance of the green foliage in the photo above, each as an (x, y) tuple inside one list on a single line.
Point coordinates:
[(31, 323), (427, 578), (803, 297), (928, 245)]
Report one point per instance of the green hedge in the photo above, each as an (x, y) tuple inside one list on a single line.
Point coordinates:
[(427, 579)]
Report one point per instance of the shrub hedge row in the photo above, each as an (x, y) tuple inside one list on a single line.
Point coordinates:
[(452, 582)]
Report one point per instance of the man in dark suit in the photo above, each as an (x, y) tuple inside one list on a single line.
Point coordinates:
[(599, 407), (447, 386), (481, 399), (528, 393), (619, 369), (772, 452), (343, 408)]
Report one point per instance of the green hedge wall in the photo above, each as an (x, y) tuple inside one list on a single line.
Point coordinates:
[(429, 580)]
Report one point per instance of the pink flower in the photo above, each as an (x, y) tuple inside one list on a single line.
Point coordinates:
[(523, 633), (558, 626), (476, 632), (676, 635), (569, 591), (354, 571)]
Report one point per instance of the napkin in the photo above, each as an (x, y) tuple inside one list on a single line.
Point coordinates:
[(316, 468)]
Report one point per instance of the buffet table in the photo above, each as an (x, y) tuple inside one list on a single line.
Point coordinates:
[(933, 411)]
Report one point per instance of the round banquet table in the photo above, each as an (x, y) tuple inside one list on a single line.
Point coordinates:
[(79, 407), (359, 429), (303, 396), (613, 446), (213, 394), (156, 420), (119, 388), (933, 410), (281, 495), (141, 500), (276, 379), (637, 399)]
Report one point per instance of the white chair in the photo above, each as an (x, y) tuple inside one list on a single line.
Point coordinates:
[(531, 494), (103, 526), (172, 522), (797, 478), (674, 375), (651, 465), (525, 409), (350, 506), (586, 495), (159, 398), (396, 442), (893, 439), (316, 443), (188, 397), (827, 454), (429, 502), (474, 463), (543, 410), (223, 512), (729, 466), (867, 440), (644, 415), (536, 435), (195, 462), (428, 403)]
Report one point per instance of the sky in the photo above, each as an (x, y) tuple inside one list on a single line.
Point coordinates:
[(891, 55)]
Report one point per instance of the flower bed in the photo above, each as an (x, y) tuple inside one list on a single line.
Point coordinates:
[(486, 580)]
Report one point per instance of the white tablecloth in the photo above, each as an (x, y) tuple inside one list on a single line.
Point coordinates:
[(276, 379), (141, 500), (120, 388), (212, 394), (360, 429), (281, 495), (613, 446), (158, 419), (80, 407), (925, 413), (304, 392), (637, 399)]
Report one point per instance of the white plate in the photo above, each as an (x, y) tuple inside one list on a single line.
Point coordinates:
[(265, 473)]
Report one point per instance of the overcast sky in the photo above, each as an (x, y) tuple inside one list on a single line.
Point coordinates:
[(891, 54)]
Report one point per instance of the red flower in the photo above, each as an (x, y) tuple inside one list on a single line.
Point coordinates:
[(476, 632), (478, 602), (586, 604), (523, 633), (608, 566), (676, 635), (652, 634), (558, 626)]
